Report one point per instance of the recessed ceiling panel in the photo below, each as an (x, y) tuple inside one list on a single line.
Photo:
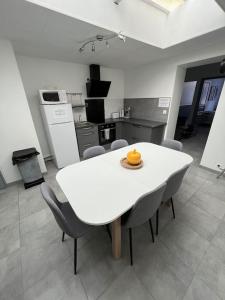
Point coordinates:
[(165, 5)]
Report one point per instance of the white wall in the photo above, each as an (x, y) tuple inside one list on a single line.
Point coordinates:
[(16, 126), (151, 81), (175, 103), (42, 73), (214, 153)]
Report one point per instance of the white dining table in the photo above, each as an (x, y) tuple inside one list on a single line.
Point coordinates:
[(100, 190)]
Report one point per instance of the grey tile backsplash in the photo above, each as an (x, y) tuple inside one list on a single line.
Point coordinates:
[(147, 109)]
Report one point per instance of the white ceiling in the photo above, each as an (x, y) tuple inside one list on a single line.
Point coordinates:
[(39, 32)]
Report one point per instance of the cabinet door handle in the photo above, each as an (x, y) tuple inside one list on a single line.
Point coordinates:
[(87, 145), (87, 128), (135, 125), (86, 134)]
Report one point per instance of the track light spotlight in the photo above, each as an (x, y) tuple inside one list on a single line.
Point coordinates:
[(122, 37), (81, 49), (117, 2), (107, 44)]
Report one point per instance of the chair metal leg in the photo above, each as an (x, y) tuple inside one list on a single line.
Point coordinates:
[(75, 256), (109, 232), (151, 228), (171, 200), (157, 222), (131, 250), (63, 236)]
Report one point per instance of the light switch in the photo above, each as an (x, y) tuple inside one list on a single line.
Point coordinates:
[(164, 112)]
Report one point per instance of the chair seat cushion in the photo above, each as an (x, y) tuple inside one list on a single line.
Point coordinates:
[(78, 228)]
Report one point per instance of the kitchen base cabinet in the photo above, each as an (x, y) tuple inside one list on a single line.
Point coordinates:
[(134, 133), (138, 133), (119, 130), (157, 135), (87, 137)]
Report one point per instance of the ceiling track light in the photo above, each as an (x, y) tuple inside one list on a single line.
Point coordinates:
[(101, 38), (122, 37), (117, 2)]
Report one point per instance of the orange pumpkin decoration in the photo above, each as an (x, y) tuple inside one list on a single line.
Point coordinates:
[(134, 157)]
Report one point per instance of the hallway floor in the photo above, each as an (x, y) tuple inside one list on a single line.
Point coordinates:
[(195, 145), (186, 262)]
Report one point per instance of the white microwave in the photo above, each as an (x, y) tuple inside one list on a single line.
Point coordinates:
[(53, 96)]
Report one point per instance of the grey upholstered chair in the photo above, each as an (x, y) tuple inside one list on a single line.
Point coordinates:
[(143, 211), (173, 184), (117, 144), (93, 151), (65, 218), (172, 144)]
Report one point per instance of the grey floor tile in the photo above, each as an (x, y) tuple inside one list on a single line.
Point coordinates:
[(198, 290), (185, 243), (11, 286), (199, 220), (9, 212), (157, 277), (215, 188), (10, 190), (198, 172), (9, 240), (185, 192), (174, 264), (212, 272), (30, 201), (126, 287), (219, 241), (38, 263), (210, 204), (58, 284), (39, 229), (98, 274), (51, 169)]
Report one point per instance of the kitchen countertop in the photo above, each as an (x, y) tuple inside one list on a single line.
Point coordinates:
[(145, 123)]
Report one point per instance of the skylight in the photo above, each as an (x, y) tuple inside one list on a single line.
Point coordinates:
[(165, 5)]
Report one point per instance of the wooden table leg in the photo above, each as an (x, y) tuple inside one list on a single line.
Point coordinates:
[(116, 238)]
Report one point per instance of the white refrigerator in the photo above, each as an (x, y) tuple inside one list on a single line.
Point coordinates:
[(60, 129)]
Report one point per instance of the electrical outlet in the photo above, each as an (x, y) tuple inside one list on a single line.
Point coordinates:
[(164, 112)]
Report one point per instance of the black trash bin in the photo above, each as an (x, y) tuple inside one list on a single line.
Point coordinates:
[(28, 165)]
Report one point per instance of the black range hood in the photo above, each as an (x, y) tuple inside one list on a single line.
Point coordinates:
[(95, 86)]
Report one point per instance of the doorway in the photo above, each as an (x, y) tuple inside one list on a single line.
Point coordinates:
[(196, 113)]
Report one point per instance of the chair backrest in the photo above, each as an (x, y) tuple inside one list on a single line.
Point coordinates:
[(55, 206), (172, 144), (117, 144), (145, 207), (93, 151), (173, 183)]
